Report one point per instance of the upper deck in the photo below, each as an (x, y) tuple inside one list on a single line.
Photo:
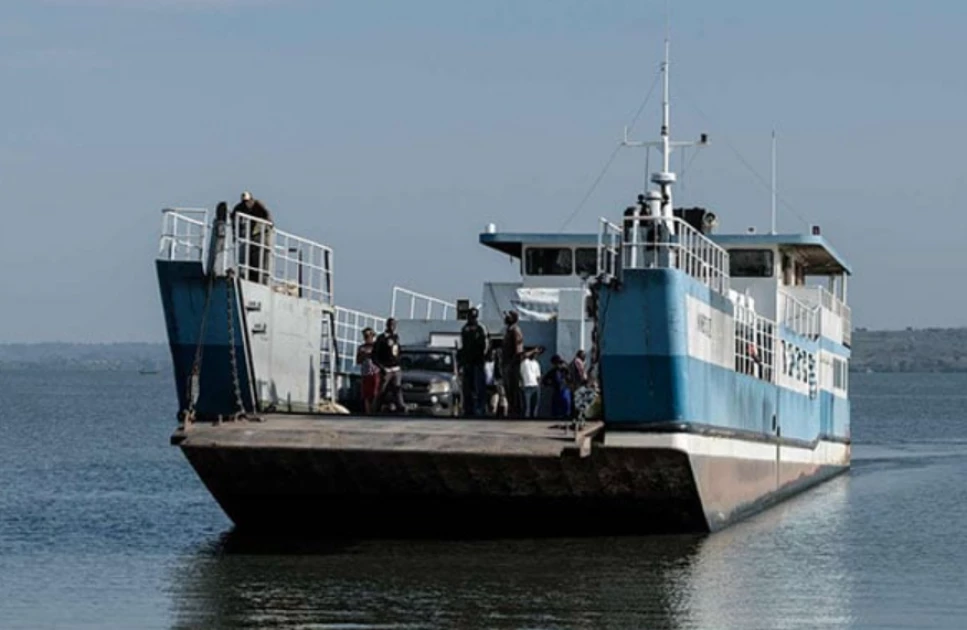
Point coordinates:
[(796, 280), (817, 255)]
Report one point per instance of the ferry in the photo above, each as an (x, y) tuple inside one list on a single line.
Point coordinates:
[(718, 363)]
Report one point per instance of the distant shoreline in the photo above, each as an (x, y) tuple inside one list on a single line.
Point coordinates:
[(922, 350)]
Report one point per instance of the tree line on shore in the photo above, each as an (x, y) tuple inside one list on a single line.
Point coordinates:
[(908, 350)]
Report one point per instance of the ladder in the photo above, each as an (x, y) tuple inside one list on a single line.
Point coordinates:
[(329, 360)]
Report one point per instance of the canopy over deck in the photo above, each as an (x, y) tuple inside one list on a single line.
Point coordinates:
[(818, 255), (512, 243)]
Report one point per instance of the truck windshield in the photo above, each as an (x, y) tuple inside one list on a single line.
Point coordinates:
[(423, 360)]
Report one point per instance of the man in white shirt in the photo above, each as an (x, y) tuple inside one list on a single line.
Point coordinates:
[(530, 377)]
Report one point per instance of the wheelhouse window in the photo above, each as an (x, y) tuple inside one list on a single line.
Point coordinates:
[(586, 260), (751, 263), (548, 261)]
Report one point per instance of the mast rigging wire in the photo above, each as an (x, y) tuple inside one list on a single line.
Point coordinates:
[(613, 155)]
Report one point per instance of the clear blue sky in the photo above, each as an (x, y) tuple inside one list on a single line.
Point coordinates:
[(395, 131)]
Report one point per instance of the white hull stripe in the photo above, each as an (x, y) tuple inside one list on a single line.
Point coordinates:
[(825, 453)]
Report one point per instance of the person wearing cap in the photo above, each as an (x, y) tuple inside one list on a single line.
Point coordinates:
[(474, 347), (259, 237), (386, 355)]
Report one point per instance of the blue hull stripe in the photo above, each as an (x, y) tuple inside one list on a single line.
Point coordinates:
[(647, 375), (684, 389)]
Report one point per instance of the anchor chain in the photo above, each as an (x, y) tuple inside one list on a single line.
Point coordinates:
[(584, 397), (236, 385), (188, 416)]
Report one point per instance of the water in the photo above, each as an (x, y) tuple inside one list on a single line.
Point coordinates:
[(104, 525)]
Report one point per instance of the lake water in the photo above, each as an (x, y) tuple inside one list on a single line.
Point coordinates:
[(104, 525)]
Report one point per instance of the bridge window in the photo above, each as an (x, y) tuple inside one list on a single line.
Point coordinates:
[(586, 260), (750, 263), (839, 373), (548, 261)]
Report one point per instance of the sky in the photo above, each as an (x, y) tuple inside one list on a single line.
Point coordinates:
[(396, 131)]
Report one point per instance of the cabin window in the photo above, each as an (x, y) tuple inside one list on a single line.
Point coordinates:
[(548, 261), (839, 373), (750, 263), (586, 260)]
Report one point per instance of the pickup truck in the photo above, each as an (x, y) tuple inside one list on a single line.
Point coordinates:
[(431, 381)]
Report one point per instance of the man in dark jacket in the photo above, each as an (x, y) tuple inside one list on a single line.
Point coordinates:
[(257, 234), (513, 351), (386, 356), (474, 346)]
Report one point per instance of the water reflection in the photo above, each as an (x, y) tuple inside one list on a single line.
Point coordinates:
[(786, 568), (598, 583), (782, 569)]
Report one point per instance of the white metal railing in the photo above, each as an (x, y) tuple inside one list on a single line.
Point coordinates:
[(349, 327), (838, 307), (671, 243), (288, 263), (609, 248), (412, 305), (755, 344), (833, 303), (184, 234), (819, 297), (803, 319)]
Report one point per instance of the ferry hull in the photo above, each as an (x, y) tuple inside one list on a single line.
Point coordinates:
[(324, 490)]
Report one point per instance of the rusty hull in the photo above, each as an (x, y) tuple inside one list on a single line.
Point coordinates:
[(363, 477)]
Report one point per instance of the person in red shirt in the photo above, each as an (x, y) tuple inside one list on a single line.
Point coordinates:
[(368, 369)]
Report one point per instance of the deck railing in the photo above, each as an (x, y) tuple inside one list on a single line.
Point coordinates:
[(349, 335), (836, 306), (184, 234), (609, 249), (801, 318), (288, 263), (755, 344), (665, 243), (819, 298), (408, 304)]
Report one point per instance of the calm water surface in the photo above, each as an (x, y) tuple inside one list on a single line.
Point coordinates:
[(104, 525)]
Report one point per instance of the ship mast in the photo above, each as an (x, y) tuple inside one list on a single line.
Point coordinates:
[(665, 178)]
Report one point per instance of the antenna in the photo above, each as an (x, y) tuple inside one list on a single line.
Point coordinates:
[(773, 181), (665, 111), (665, 178)]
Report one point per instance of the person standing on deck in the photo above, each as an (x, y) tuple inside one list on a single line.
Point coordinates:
[(386, 355), (513, 351), (530, 378), (259, 249), (579, 376), (557, 380), (473, 354), (497, 397), (579, 381), (369, 370)]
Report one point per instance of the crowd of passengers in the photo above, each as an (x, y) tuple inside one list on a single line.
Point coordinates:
[(499, 381)]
